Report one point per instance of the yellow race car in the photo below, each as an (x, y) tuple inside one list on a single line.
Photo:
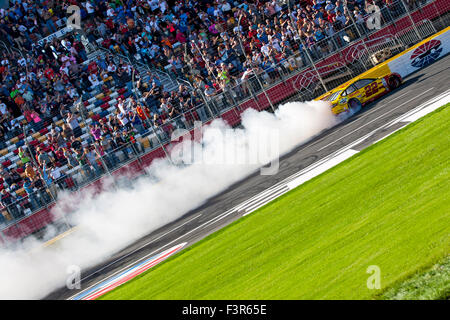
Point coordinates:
[(356, 93)]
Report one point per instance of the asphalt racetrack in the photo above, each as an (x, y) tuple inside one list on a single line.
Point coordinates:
[(417, 89)]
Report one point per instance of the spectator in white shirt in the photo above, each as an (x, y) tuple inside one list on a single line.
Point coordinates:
[(94, 81), (123, 118)]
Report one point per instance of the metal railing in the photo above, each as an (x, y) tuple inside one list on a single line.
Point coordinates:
[(334, 60)]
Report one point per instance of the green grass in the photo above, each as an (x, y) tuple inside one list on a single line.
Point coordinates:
[(432, 284), (387, 206)]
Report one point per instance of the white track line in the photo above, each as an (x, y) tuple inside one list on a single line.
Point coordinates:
[(329, 161), (133, 263), (439, 100), (324, 167), (375, 119), (165, 234), (364, 115), (144, 245), (384, 137), (121, 270), (266, 200), (425, 108), (263, 194)]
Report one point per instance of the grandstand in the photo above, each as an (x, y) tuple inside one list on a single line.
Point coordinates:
[(78, 105)]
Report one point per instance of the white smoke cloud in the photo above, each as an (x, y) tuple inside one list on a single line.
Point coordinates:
[(117, 217)]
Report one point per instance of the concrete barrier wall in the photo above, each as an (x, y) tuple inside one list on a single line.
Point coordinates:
[(421, 54)]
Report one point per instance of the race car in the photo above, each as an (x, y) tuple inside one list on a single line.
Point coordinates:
[(356, 93)]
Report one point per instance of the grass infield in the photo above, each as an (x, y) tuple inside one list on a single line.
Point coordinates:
[(387, 206)]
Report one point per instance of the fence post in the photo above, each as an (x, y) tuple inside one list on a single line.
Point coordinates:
[(14, 220), (47, 186), (207, 104), (303, 47), (264, 90), (440, 15), (33, 159), (358, 31), (419, 37), (83, 116), (235, 103), (134, 147), (3, 242), (151, 124), (254, 71)]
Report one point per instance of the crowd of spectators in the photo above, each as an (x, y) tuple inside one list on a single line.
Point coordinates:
[(203, 42), (213, 45)]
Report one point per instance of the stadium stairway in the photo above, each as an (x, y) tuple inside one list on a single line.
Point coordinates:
[(169, 84)]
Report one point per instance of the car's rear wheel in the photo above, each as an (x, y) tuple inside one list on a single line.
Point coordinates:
[(394, 82), (354, 105)]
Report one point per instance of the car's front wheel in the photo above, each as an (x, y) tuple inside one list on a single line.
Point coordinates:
[(354, 105), (394, 82)]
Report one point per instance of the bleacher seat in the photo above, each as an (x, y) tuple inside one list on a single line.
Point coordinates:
[(84, 136), (14, 140), (145, 142), (97, 110), (104, 113), (7, 163), (98, 103), (69, 182), (21, 192), (127, 94)]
